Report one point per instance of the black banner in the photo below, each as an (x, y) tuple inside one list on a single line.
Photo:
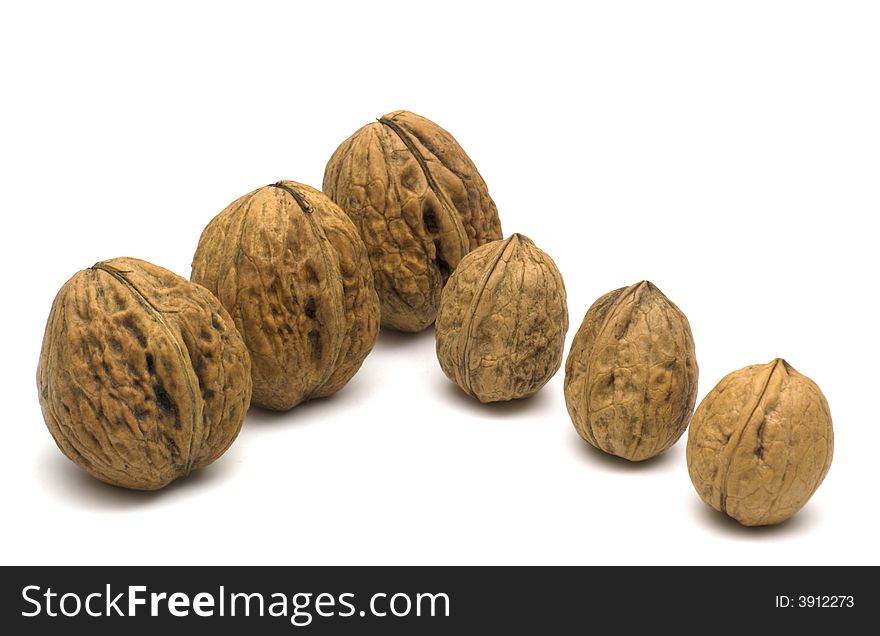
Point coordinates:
[(432, 600)]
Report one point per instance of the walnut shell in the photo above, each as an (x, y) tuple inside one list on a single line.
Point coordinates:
[(420, 206), (631, 373), (502, 321), (142, 375), (292, 271), (760, 443)]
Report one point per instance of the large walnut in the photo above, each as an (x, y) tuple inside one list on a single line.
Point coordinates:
[(291, 269), (760, 443), (142, 376), (420, 206), (631, 373), (502, 321)]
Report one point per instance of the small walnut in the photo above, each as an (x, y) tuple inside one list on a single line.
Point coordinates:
[(291, 269), (420, 206), (142, 375), (631, 373), (502, 321), (760, 443)]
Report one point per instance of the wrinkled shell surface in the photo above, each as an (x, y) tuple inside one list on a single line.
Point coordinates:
[(502, 321), (631, 373), (420, 206), (292, 271), (142, 375), (760, 443)]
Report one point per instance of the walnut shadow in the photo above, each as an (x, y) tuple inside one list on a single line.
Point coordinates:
[(453, 394), (392, 339), (800, 523), (359, 389), (74, 486), (612, 463), (301, 414)]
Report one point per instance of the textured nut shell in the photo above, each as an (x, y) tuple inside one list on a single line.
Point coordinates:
[(631, 373), (420, 206), (142, 375), (291, 269), (502, 321), (760, 443)]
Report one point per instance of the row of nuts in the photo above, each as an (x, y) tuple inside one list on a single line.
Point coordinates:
[(145, 376), (761, 441)]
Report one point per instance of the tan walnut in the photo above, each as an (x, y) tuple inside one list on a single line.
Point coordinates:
[(420, 206), (142, 376), (760, 443), (502, 321), (292, 271), (631, 373)]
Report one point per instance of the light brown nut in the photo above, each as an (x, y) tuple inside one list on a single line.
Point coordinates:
[(292, 271), (420, 206), (142, 376), (760, 443), (502, 321), (631, 373)]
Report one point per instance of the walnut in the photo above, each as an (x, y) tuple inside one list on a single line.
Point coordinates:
[(502, 321), (291, 269), (631, 373), (142, 375), (420, 206), (760, 443)]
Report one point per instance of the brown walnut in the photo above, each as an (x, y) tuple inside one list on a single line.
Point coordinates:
[(760, 443), (292, 271), (631, 373), (502, 321), (142, 376), (420, 206)]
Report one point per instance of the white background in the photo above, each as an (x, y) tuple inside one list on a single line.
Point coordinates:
[(729, 152)]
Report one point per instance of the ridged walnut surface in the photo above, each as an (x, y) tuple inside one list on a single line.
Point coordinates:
[(420, 206), (631, 373), (142, 375), (291, 269), (760, 443), (502, 321)]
